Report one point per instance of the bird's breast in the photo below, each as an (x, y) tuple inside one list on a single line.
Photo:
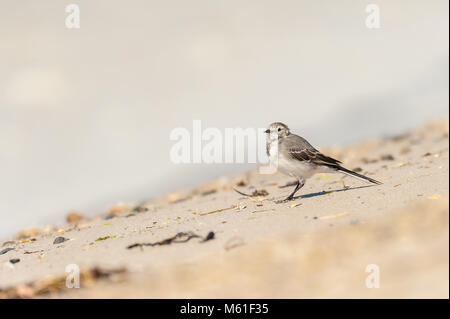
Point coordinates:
[(296, 168)]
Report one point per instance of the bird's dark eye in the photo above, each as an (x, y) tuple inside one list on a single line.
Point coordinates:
[(279, 129)]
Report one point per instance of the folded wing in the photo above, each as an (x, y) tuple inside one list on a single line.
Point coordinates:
[(312, 156)]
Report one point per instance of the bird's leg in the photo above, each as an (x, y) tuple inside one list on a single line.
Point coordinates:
[(291, 196), (299, 185)]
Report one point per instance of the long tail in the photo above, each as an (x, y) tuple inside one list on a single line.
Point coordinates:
[(354, 174)]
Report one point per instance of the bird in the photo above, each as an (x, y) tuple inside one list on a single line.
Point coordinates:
[(296, 157)]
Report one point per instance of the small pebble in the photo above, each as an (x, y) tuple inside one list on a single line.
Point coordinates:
[(209, 236), (59, 240), (14, 260)]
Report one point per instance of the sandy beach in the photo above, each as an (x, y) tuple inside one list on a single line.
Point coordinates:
[(213, 242)]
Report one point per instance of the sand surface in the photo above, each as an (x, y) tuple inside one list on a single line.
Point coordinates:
[(316, 246)]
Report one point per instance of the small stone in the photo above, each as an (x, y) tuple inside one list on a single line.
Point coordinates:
[(59, 240), (209, 236), (14, 260)]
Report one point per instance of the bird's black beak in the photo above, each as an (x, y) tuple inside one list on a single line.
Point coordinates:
[(267, 131)]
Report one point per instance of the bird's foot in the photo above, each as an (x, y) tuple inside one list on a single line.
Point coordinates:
[(281, 201)]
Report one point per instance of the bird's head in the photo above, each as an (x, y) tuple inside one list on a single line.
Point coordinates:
[(277, 130)]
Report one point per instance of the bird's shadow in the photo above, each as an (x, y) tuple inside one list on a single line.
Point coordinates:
[(331, 191)]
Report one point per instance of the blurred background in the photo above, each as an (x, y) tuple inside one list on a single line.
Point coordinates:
[(85, 114)]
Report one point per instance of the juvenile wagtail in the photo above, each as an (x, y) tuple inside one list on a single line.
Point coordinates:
[(297, 158)]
